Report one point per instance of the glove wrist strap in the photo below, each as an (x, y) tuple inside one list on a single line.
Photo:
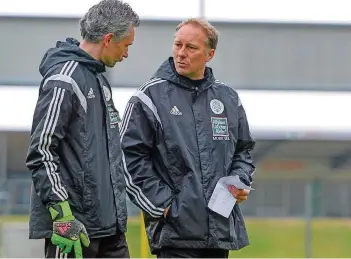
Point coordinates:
[(60, 210)]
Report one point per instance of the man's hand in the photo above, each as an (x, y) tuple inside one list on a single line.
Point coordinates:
[(239, 194), (68, 232), (166, 211)]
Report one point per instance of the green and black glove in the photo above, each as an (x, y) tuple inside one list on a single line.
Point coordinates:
[(68, 232)]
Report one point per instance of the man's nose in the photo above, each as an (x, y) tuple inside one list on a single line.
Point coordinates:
[(182, 53)]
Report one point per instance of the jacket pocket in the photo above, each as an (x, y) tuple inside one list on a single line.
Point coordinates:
[(82, 187), (232, 231), (187, 217), (223, 228), (167, 218), (74, 185)]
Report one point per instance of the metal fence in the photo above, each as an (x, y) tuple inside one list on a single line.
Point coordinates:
[(271, 198)]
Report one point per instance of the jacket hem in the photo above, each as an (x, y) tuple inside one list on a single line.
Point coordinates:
[(40, 234), (197, 244)]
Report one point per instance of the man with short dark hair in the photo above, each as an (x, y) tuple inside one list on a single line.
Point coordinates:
[(78, 193), (182, 131)]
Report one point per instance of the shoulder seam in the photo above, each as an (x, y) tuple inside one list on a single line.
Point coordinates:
[(221, 83), (151, 82), (65, 75), (230, 89), (224, 84)]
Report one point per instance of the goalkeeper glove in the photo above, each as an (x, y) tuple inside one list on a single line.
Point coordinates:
[(68, 232)]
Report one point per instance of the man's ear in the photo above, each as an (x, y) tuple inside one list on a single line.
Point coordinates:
[(210, 55), (107, 39)]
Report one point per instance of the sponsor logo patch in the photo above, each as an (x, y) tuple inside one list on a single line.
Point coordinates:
[(115, 119), (220, 129)]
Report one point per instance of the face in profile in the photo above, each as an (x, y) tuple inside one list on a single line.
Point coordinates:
[(191, 51), (115, 51)]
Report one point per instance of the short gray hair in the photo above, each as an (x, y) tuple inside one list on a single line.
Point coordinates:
[(210, 31), (108, 16)]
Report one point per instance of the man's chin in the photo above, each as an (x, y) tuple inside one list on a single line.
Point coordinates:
[(182, 72), (185, 73), (114, 63), (111, 65)]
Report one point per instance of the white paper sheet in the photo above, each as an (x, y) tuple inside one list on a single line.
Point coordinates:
[(222, 201)]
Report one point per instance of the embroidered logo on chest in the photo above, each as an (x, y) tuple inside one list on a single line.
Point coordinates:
[(107, 93), (217, 106)]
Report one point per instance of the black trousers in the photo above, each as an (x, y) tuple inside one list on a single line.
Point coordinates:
[(192, 253), (107, 247)]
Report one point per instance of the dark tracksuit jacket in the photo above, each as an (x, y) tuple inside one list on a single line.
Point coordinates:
[(74, 152), (178, 139)]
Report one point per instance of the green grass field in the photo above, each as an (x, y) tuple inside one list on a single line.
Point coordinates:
[(280, 238), (270, 238)]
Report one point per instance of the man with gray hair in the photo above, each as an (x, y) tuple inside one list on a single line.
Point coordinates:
[(182, 131), (78, 194)]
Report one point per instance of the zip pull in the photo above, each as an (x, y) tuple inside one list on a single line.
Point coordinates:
[(196, 94)]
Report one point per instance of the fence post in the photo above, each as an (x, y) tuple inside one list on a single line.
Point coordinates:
[(143, 238), (308, 215), (2, 248)]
